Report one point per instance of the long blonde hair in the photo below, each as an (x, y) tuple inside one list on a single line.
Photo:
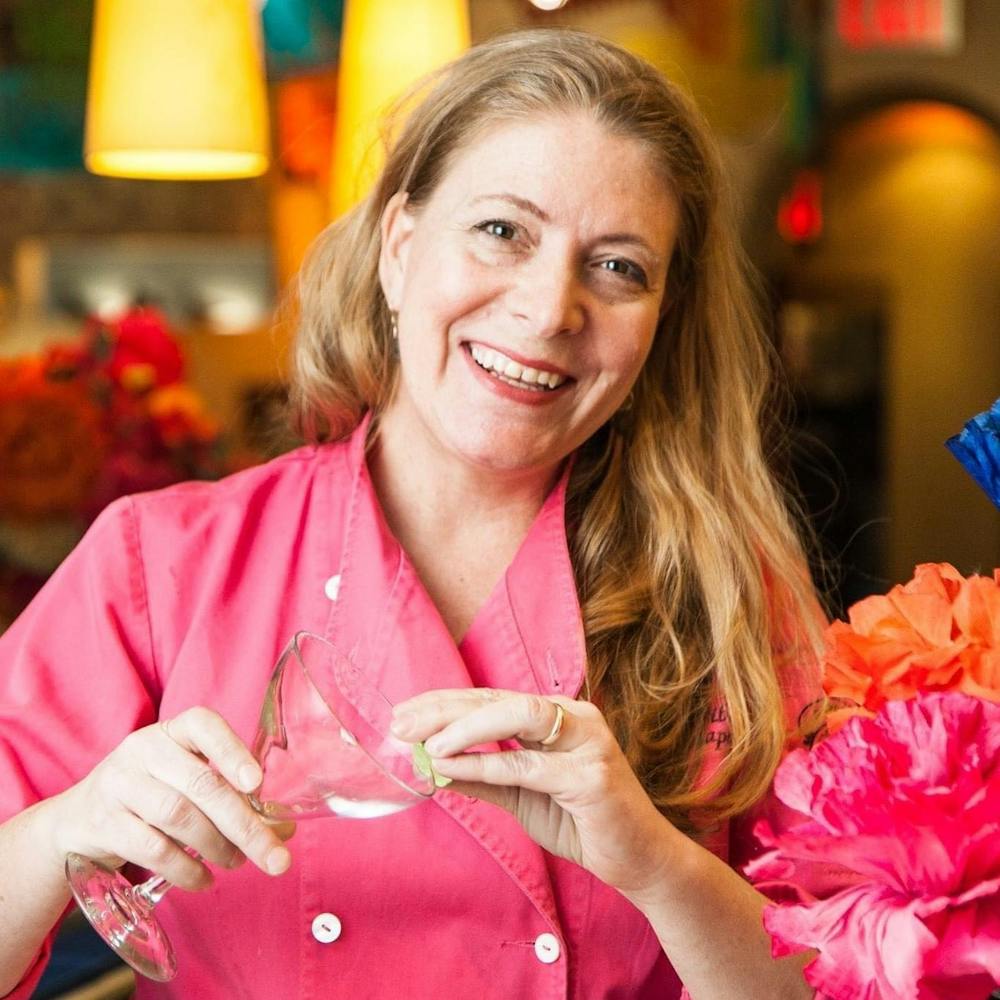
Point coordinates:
[(690, 570)]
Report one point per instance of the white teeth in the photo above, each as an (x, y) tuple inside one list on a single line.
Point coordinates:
[(507, 368)]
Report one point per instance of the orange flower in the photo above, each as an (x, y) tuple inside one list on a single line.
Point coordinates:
[(180, 416), (939, 632), (51, 444)]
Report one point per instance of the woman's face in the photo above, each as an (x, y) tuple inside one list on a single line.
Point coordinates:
[(528, 286)]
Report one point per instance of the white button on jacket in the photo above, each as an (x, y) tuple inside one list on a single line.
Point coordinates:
[(326, 928), (547, 948), (332, 587)]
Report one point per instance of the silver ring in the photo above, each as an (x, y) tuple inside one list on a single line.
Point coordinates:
[(556, 726)]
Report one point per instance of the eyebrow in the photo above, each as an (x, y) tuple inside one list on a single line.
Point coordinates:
[(634, 239), (523, 203)]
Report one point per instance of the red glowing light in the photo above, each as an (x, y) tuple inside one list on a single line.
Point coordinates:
[(800, 212)]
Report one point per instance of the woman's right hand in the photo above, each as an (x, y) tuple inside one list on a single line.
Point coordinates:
[(180, 783)]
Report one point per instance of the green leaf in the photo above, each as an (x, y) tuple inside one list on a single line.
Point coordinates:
[(422, 762)]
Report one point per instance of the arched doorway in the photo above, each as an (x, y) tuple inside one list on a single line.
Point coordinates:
[(893, 316)]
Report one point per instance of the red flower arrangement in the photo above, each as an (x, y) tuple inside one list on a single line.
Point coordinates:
[(103, 416), (892, 872), (83, 423)]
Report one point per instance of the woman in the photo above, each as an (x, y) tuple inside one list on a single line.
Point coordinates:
[(532, 352)]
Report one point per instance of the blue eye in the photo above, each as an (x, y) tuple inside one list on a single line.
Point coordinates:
[(498, 228)]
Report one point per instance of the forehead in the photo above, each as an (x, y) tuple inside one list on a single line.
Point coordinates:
[(568, 164)]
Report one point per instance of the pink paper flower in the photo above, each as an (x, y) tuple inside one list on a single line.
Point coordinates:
[(893, 873)]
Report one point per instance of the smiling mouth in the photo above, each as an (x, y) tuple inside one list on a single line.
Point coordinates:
[(513, 373)]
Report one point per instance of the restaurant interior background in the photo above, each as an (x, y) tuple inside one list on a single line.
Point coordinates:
[(862, 138)]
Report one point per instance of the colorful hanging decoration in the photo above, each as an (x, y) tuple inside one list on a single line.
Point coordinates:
[(301, 35), (306, 106), (43, 83)]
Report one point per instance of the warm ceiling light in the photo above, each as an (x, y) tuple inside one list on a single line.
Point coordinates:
[(549, 4), (385, 46), (176, 90)]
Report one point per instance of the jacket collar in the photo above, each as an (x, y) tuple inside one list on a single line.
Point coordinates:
[(385, 619)]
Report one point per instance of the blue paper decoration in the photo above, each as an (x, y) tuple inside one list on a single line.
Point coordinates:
[(977, 447)]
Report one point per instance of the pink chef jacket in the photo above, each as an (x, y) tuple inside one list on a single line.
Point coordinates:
[(185, 597)]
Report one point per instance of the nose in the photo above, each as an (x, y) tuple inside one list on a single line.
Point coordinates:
[(548, 298)]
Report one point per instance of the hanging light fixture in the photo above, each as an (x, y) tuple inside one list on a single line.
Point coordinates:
[(176, 90), (386, 45)]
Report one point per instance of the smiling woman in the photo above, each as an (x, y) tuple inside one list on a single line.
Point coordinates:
[(535, 511), (555, 204), (546, 284)]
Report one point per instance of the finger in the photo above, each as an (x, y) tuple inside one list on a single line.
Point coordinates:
[(467, 695), (498, 795), (136, 841), (528, 718), (228, 809), (162, 806), (206, 733), (284, 829), (420, 716), (534, 770)]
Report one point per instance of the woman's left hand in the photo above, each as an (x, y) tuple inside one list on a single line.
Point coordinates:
[(577, 797)]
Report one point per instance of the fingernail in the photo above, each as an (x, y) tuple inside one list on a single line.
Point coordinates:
[(403, 722), (278, 860), (249, 777), (436, 746)]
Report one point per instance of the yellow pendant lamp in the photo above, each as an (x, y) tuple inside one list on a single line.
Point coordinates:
[(385, 46), (176, 90)]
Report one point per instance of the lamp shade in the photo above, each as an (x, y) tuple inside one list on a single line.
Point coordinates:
[(386, 46), (176, 90)]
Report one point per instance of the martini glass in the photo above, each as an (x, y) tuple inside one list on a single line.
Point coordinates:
[(324, 746)]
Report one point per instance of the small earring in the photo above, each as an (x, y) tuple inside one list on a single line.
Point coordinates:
[(394, 323)]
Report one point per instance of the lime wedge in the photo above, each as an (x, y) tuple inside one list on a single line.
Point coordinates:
[(422, 764)]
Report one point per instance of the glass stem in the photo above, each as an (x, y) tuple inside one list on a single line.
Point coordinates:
[(151, 891)]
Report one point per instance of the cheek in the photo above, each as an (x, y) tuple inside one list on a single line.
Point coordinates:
[(626, 356), (447, 283)]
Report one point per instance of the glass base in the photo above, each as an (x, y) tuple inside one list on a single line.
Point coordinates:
[(122, 917)]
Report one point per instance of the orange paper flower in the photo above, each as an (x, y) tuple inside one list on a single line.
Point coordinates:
[(939, 632)]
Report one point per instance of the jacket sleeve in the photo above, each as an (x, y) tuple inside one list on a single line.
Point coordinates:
[(76, 672)]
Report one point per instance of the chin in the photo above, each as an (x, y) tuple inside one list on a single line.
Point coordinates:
[(497, 454)]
